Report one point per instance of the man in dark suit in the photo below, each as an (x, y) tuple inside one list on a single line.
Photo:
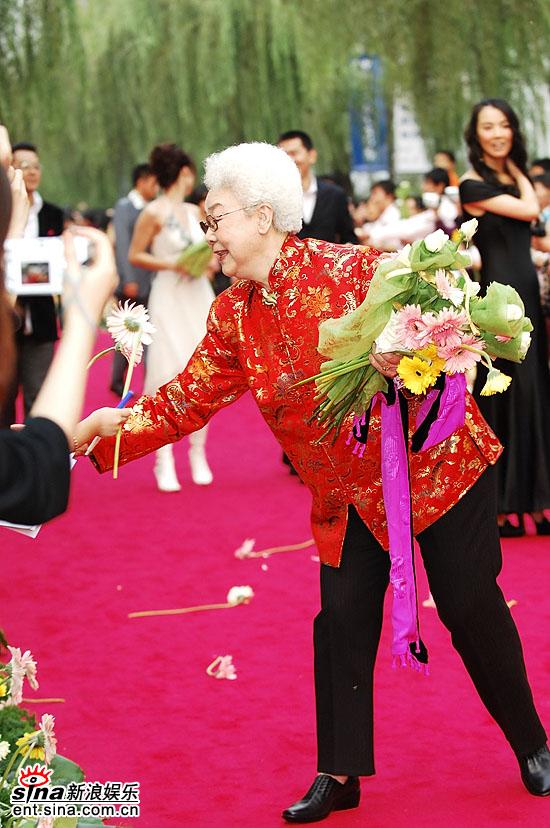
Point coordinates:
[(38, 320), (134, 282), (326, 214)]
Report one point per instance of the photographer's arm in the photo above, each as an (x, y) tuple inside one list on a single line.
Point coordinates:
[(5, 148), (62, 393)]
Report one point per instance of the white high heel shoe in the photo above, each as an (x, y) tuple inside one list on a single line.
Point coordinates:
[(165, 470), (200, 470)]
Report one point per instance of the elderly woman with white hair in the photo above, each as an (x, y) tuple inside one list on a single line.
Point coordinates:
[(262, 337)]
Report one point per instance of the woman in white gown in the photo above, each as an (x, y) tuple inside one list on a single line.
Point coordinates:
[(179, 303)]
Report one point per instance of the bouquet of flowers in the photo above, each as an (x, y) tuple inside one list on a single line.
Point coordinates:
[(24, 744), (195, 258), (422, 304)]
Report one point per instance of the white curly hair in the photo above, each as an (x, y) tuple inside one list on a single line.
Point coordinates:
[(259, 173)]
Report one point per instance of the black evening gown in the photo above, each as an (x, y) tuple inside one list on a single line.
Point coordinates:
[(520, 416)]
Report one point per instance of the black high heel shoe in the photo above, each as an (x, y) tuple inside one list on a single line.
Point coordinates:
[(543, 526), (508, 530)]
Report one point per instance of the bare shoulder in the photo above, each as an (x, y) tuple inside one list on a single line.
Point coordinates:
[(152, 214)]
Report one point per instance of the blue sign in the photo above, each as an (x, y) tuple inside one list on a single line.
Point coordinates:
[(369, 123)]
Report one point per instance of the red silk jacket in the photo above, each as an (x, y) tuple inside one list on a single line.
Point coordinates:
[(265, 340)]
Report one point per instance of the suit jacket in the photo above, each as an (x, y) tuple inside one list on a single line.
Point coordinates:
[(124, 221), (42, 308), (331, 220), (264, 341)]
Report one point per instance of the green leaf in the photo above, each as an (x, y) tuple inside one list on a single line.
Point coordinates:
[(65, 771)]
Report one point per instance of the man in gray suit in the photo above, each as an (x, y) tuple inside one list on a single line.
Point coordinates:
[(134, 282)]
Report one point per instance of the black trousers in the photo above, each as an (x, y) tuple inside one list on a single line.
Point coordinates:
[(462, 557), (33, 362)]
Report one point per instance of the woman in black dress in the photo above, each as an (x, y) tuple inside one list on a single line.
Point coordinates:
[(498, 192)]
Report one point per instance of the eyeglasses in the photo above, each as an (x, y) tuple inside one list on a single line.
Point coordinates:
[(211, 223)]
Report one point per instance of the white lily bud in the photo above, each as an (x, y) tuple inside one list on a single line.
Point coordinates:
[(435, 241), (468, 228)]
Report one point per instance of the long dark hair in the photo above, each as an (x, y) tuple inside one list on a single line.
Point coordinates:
[(7, 348), (518, 153)]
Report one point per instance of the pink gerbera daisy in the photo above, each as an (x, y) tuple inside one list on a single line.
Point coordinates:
[(443, 328), (410, 327), (459, 358)]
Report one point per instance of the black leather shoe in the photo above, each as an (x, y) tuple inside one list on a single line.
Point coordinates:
[(508, 530), (535, 772), (325, 795), (543, 526)]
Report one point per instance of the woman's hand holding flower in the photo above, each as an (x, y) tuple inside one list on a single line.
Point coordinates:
[(386, 364), (104, 422)]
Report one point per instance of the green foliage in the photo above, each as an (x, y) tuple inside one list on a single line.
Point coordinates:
[(96, 83), (14, 722), (65, 771)]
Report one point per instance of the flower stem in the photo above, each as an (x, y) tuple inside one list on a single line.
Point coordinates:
[(485, 358), (98, 356), (182, 611), (131, 361), (9, 766), (467, 296), (265, 553)]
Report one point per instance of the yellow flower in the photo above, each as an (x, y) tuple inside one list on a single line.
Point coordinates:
[(430, 354), (25, 738), (417, 374), (3, 690), (37, 751), (496, 383)]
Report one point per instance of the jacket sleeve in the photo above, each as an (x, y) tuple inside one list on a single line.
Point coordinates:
[(34, 472), (344, 226), (124, 226), (212, 379)]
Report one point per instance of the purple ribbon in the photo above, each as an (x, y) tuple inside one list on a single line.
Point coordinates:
[(441, 414), (397, 503), (452, 410)]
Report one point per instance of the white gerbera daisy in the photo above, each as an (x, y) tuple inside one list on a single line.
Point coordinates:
[(50, 742), (240, 595), (124, 322), (246, 547)]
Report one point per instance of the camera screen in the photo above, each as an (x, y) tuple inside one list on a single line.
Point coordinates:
[(35, 273)]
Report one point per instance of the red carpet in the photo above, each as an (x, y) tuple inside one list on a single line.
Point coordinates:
[(207, 752)]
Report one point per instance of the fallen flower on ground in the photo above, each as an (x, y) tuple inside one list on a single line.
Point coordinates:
[(222, 668)]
